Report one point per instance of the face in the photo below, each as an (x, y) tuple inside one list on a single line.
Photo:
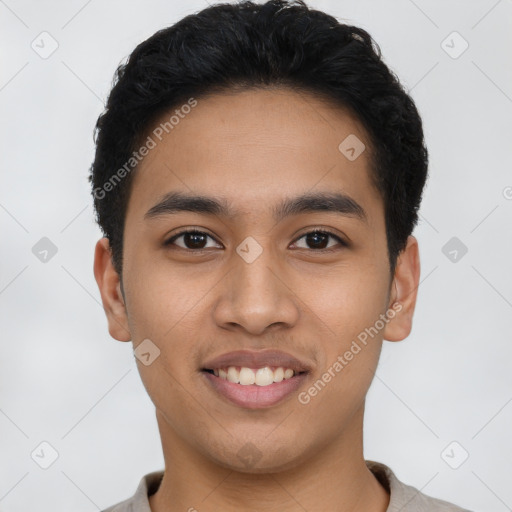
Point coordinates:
[(310, 279)]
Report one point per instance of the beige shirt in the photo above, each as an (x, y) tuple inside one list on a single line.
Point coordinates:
[(403, 498)]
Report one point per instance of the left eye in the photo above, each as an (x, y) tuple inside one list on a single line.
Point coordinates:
[(319, 239)]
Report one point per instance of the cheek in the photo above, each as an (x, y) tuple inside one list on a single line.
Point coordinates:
[(163, 298), (347, 301), (351, 347)]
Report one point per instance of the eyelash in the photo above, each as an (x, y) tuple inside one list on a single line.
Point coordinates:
[(342, 242)]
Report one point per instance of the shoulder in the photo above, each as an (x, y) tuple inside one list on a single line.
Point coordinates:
[(139, 502), (407, 498)]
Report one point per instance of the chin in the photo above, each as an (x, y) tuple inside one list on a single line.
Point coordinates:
[(253, 460)]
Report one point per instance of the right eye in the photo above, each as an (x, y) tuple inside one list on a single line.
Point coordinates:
[(192, 240)]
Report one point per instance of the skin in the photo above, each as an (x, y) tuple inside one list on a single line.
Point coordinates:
[(254, 148)]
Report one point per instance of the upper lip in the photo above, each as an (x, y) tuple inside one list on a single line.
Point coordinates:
[(257, 359)]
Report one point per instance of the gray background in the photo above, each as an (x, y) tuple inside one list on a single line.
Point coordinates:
[(64, 381)]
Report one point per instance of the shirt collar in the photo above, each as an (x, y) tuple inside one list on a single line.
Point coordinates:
[(403, 498)]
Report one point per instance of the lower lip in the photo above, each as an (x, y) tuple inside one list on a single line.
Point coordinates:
[(253, 396)]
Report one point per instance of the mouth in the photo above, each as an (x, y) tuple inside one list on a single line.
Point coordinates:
[(248, 376), (255, 380)]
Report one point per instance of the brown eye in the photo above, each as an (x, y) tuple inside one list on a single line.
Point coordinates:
[(319, 240), (191, 240)]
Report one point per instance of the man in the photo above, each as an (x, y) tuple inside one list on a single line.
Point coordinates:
[(257, 178)]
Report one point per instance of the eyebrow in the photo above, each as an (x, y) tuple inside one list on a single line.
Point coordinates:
[(176, 202)]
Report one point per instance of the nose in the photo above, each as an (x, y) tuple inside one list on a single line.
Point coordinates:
[(256, 297)]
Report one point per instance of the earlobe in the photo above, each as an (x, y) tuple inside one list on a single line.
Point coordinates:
[(109, 285), (404, 294)]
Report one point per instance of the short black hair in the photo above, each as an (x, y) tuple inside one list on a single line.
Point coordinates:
[(245, 46)]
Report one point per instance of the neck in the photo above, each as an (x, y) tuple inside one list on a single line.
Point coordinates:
[(336, 478)]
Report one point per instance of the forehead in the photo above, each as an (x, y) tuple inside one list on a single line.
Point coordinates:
[(256, 147)]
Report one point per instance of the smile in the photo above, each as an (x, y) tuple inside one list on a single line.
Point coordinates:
[(255, 379), (259, 376)]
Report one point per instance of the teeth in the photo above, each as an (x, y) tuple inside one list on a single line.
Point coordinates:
[(278, 374), (264, 376), (247, 376), (233, 374)]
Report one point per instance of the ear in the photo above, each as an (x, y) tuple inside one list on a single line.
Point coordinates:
[(404, 290), (110, 289)]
